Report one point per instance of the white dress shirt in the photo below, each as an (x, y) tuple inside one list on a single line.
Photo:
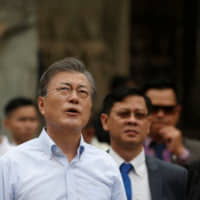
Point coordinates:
[(5, 146), (138, 176), (101, 145), (38, 170)]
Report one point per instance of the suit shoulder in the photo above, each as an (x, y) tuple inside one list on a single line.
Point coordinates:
[(189, 141), (165, 166)]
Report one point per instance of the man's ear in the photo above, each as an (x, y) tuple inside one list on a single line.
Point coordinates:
[(149, 118), (104, 121), (41, 104), (6, 123), (178, 113), (179, 109)]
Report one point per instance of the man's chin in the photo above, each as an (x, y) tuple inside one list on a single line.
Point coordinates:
[(131, 141), (157, 126), (72, 125), (156, 137)]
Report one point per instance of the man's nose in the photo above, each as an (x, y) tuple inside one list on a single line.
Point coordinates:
[(160, 112), (29, 123), (73, 97), (132, 119)]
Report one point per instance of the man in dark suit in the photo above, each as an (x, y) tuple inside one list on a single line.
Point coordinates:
[(193, 184), (166, 141), (126, 116)]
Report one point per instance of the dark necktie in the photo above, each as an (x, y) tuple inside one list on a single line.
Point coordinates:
[(124, 169), (158, 148)]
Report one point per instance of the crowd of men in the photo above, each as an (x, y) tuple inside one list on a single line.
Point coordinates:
[(143, 160)]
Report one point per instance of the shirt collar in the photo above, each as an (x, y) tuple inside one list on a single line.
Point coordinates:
[(138, 162), (50, 147)]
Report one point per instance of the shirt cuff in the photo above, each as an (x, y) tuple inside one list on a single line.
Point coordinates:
[(183, 158)]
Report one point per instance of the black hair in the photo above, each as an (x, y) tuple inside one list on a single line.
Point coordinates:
[(18, 102), (121, 81), (119, 94), (160, 84)]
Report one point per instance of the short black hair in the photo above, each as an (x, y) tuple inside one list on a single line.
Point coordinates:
[(119, 94), (120, 81), (18, 102), (160, 84)]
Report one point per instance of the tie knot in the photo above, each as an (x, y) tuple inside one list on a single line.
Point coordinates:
[(125, 167)]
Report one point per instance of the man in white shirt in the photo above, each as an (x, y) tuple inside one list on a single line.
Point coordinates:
[(58, 164), (21, 119), (4, 145), (126, 116)]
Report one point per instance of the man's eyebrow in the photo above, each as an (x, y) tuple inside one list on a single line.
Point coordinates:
[(140, 109), (123, 109), (83, 86), (128, 109), (79, 86), (66, 83)]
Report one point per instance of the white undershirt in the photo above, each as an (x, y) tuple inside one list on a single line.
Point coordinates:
[(138, 176)]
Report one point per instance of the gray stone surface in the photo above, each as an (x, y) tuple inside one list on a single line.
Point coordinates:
[(18, 50)]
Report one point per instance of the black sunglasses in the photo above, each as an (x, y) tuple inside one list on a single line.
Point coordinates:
[(165, 109)]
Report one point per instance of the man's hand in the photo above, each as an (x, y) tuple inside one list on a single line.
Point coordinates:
[(173, 139)]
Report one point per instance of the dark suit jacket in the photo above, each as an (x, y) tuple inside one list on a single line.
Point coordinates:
[(167, 181), (193, 192)]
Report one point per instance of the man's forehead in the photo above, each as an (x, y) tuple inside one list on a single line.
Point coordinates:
[(70, 78), (131, 102), (162, 96), (24, 110)]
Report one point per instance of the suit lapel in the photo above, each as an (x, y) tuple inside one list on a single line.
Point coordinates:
[(155, 178)]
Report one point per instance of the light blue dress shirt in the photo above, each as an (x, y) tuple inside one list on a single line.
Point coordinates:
[(38, 170)]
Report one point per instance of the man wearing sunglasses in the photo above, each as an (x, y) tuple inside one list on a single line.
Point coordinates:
[(166, 140)]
